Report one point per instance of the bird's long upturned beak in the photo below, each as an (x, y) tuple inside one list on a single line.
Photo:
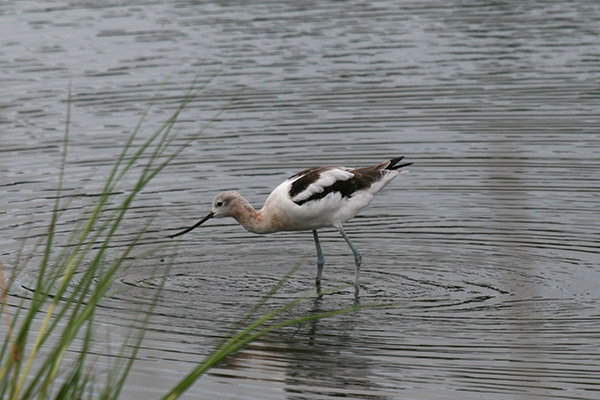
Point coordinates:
[(191, 228)]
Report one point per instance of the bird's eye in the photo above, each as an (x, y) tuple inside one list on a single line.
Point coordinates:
[(219, 203)]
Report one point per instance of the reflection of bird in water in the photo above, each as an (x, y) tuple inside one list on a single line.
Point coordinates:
[(309, 200)]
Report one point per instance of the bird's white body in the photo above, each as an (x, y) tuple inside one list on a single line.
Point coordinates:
[(310, 200), (331, 210)]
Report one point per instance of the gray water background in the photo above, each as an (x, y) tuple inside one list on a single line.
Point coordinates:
[(489, 246)]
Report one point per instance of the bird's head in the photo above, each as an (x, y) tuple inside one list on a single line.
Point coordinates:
[(224, 203)]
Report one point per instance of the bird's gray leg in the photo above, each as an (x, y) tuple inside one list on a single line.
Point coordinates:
[(320, 259), (357, 257)]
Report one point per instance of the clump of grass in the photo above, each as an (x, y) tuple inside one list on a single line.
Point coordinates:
[(40, 330), (60, 314)]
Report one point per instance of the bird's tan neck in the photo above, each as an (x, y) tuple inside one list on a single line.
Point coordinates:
[(256, 221), (249, 218)]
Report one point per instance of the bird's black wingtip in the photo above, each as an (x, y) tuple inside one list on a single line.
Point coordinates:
[(394, 164)]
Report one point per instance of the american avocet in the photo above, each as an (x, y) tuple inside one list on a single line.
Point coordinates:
[(309, 200)]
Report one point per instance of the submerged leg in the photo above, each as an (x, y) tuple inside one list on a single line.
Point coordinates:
[(357, 258), (320, 259)]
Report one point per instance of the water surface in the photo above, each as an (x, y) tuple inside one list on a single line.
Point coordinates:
[(488, 247)]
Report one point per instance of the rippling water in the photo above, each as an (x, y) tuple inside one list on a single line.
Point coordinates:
[(489, 247)]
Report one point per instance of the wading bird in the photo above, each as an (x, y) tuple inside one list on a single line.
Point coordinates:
[(309, 200)]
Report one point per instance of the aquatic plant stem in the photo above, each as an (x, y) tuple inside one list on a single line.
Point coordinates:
[(14, 352), (49, 241)]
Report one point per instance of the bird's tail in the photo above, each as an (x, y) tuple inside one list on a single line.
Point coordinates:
[(393, 164)]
